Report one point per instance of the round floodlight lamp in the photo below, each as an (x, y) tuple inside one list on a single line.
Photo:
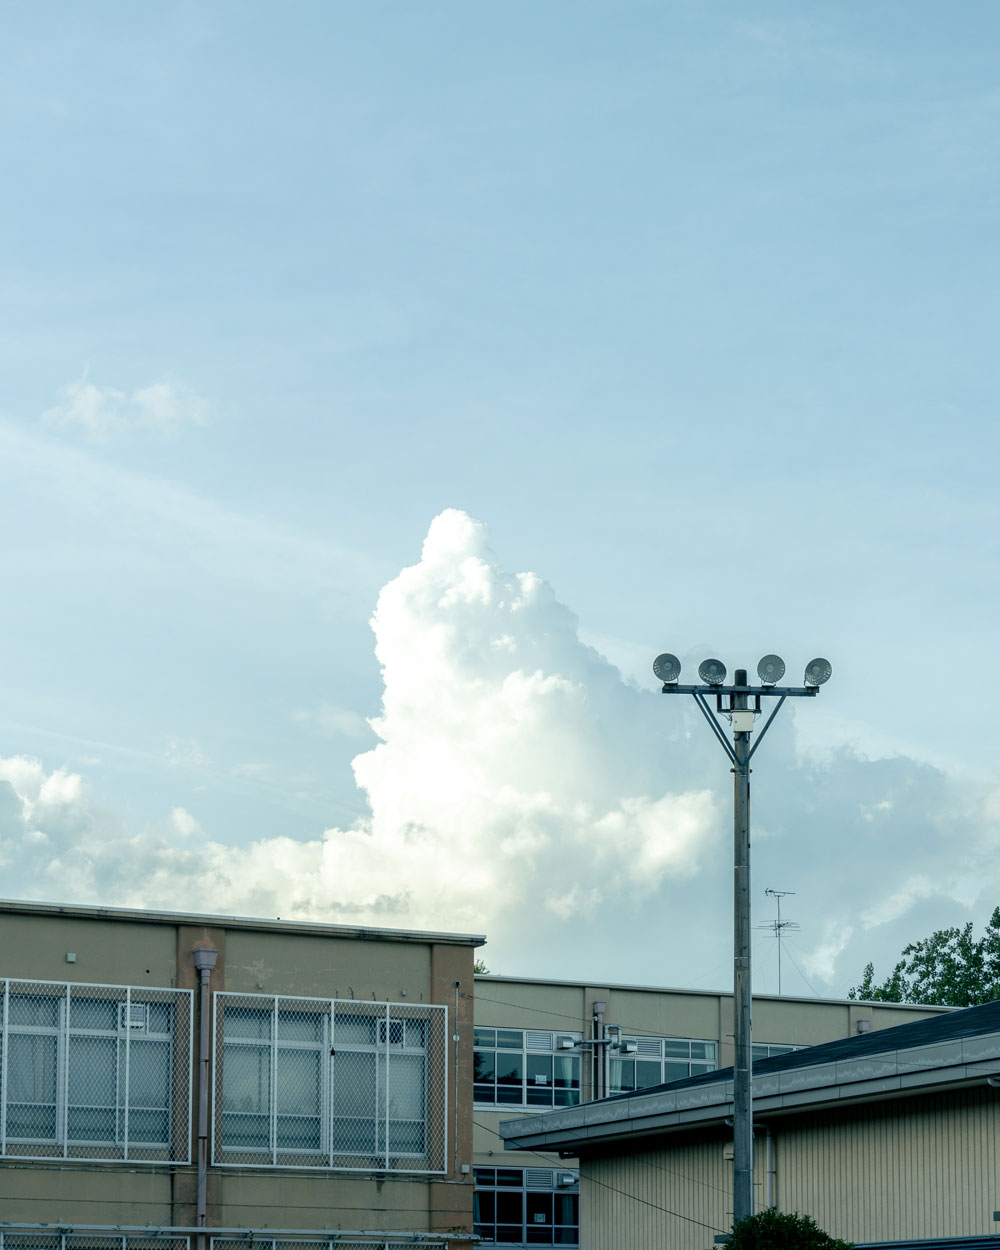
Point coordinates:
[(817, 672), (771, 669), (712, 672), (667, 667)]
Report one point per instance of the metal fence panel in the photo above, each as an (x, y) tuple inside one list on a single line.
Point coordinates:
[(334, 1084), (95, 1072)]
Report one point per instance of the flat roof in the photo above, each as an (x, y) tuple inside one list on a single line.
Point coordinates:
[(312, 927), (959, 1048), (673, 989)]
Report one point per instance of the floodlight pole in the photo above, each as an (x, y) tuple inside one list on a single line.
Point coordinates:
[(742, 986), (741, 713)]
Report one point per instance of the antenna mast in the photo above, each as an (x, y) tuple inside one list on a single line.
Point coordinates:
[(778, 926)]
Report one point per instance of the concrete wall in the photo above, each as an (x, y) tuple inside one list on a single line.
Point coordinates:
[(896, 1170), (291, 960)]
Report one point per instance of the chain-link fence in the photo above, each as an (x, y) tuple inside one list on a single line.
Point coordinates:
[(230, 1243), (95, 1072), (330, 1083), (89, 1241)]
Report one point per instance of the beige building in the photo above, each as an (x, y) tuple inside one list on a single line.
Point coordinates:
[(887, 1138), (167, 1073), (552, 1046)]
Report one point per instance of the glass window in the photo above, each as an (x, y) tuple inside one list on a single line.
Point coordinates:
[(525, 1068), (328, 1084), (91, 1071), (527, 1206), (659, 1060), (767, 1050)]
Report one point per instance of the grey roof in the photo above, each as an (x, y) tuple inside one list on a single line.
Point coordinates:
[(962, 1022), (958, 1048), (315, 927)]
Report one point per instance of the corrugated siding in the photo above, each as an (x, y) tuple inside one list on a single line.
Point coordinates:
[(926, 1168), (657, 1200), (888, 1171)]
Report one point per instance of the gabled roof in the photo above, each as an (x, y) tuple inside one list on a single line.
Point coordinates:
[(957, 1048)]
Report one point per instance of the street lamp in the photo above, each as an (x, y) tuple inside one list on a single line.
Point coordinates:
[(734, 704)]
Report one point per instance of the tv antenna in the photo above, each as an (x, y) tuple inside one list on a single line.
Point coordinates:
[(779, 926)]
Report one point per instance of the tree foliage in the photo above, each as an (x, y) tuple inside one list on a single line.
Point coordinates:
[(480, 966), (778, 1230), (948, 969)]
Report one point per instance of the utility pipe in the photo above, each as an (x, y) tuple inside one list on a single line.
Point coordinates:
[(598, 1071), (772, 1173), (204, 960)]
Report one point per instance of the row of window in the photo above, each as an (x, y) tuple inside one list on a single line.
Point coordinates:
[(104, 1072), (538, 1069)]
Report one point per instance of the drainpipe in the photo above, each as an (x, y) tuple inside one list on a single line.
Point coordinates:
[(599, 1088), (204, 960), (772, 1176)]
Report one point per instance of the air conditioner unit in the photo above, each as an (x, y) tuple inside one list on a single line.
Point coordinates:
[(133, 1016)]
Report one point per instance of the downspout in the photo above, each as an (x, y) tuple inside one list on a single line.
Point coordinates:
[(598, 1082), (772, 1176), (204, 960)]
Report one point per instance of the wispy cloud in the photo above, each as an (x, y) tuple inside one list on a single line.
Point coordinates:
[(102, 412), (328, 720)]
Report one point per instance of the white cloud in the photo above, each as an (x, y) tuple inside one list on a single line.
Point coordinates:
[(102, 412), (520, 787), (515, 771)]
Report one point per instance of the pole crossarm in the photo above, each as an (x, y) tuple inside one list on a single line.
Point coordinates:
[(783, 692)]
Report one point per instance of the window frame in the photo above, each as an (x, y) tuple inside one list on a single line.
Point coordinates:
[(700, 1063), (553, 1051), (530, 1184), (122, 1145), (422, 1030)]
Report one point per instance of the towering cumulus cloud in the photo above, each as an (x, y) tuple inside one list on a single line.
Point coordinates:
[(517, 780)]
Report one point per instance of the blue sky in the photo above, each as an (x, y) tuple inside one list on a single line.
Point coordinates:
[(693, 307)]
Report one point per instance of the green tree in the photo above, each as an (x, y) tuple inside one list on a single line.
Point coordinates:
[(777, 1230), (480, 966), (948, 969)]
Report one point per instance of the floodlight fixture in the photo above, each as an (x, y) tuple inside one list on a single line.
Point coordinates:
[(817, 672), (712, 672), (667, 667), (770, 669)]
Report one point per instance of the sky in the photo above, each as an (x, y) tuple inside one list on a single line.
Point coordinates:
[(383, 387)]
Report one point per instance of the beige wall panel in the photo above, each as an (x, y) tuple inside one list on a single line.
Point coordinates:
[(673, 1014), (292, 1200), (522, 1005), (31, 1194), (889, 1171), (655, 1200), (107, 951), (307, 966), (923, 1168)]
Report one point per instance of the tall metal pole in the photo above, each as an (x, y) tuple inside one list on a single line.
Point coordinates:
[(742, 996), (712, 673)]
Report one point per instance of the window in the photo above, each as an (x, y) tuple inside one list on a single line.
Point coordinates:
[(767, 1050), (95, 1072), (658, 1060), (526, 1068), (311, 1082), (527, 1206)]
